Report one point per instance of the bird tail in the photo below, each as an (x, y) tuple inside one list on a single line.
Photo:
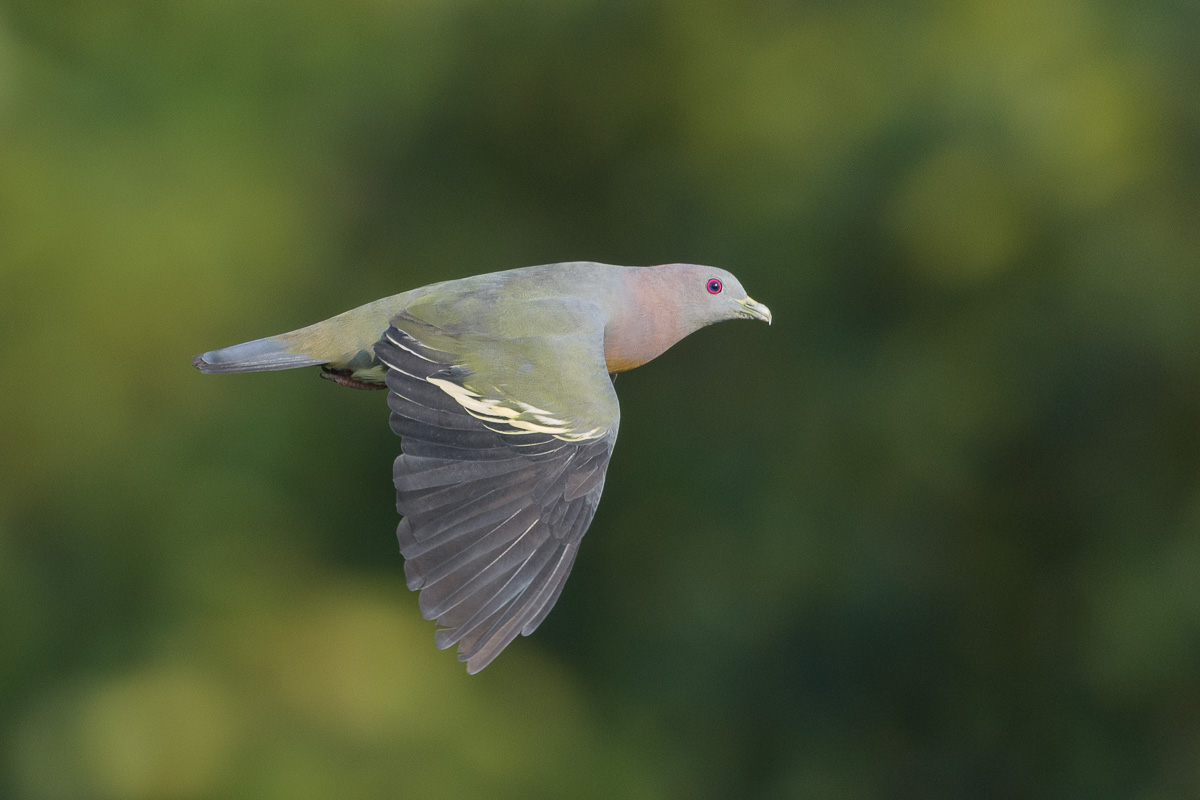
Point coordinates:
[(261, 355), (341, 342)]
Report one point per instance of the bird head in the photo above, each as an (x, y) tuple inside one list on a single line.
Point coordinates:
[(703, 295), (661, 305)]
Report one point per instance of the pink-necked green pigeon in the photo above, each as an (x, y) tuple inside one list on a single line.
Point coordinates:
[(500, 387)]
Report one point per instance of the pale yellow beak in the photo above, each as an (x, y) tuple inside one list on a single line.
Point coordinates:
[(756, 310)]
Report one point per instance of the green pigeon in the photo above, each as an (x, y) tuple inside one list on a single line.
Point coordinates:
[(501, 389)]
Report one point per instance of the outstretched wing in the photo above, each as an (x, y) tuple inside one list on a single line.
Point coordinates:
[(496, 491)]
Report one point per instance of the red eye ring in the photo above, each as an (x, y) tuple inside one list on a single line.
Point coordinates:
[(714, 286)]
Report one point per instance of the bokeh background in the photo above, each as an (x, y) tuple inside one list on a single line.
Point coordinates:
[(934, 534)]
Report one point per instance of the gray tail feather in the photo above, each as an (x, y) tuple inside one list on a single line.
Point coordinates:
[(260, 355)]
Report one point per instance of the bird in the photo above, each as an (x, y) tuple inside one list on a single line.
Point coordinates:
[(501, 388)]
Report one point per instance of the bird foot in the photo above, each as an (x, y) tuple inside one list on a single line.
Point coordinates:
[(343, 377)]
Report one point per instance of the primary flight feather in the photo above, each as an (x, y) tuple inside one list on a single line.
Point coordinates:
[(500, 387)]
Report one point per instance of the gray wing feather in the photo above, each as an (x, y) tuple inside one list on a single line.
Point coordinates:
[(492, 517)]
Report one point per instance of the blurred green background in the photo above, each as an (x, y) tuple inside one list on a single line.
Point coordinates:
[(935, 534)]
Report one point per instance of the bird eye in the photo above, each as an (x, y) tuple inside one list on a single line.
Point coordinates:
[(714, 286)]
